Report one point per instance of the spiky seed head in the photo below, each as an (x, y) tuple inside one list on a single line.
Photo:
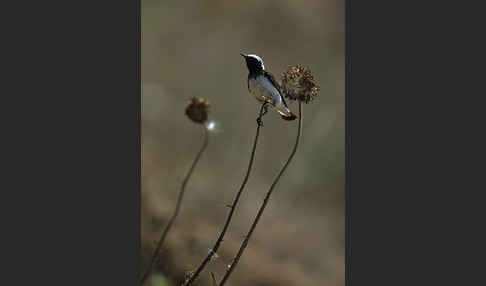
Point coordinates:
[(298, 84), (198, 110)]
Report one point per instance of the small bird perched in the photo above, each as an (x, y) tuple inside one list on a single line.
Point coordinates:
[(263, 86)]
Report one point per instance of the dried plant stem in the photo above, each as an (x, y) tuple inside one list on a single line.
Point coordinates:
[(177, 208), (265, 201), (232, 209)]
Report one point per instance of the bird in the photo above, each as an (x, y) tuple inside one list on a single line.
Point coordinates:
[(263, 86)]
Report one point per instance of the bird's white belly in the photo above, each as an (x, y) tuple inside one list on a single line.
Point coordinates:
[(262, 89)]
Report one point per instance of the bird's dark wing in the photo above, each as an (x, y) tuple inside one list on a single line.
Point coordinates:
[(270, 77), (248, 82)]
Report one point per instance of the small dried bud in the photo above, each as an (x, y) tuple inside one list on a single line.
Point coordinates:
[(188, 274), (213, 254), (298, 84), (198, 110)]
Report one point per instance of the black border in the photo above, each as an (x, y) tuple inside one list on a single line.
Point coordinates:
[(71, 199), (413, 125)]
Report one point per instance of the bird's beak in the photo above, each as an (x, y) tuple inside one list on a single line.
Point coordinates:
[(243, 55)]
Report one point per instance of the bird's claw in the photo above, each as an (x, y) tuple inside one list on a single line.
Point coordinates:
[(262, 112), (265, 109), (259, 122)]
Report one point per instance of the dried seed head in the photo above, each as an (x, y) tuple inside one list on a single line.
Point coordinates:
[(198, 110), (298, 84)]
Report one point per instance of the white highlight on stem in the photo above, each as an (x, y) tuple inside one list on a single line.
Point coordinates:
[(212, 126)]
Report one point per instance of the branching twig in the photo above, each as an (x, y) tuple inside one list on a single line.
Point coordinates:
[(265, 201), (177, 208), (232, 207)]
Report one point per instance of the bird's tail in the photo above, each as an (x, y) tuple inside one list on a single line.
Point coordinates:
[(290, 117)]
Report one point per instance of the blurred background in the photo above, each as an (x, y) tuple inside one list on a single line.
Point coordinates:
[(191, 48)]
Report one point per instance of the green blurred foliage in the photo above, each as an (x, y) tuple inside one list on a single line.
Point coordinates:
[(159, 280)]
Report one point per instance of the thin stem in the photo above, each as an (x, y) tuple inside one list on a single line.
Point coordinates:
[(265, 201), (177, 208), (232, 207)]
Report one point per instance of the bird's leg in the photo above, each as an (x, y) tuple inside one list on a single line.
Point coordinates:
[(265, 110), (259, 121)]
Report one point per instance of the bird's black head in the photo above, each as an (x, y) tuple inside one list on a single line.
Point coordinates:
[(254, 63)]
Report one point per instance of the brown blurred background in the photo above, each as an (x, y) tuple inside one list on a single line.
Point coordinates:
[(191, 48)]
